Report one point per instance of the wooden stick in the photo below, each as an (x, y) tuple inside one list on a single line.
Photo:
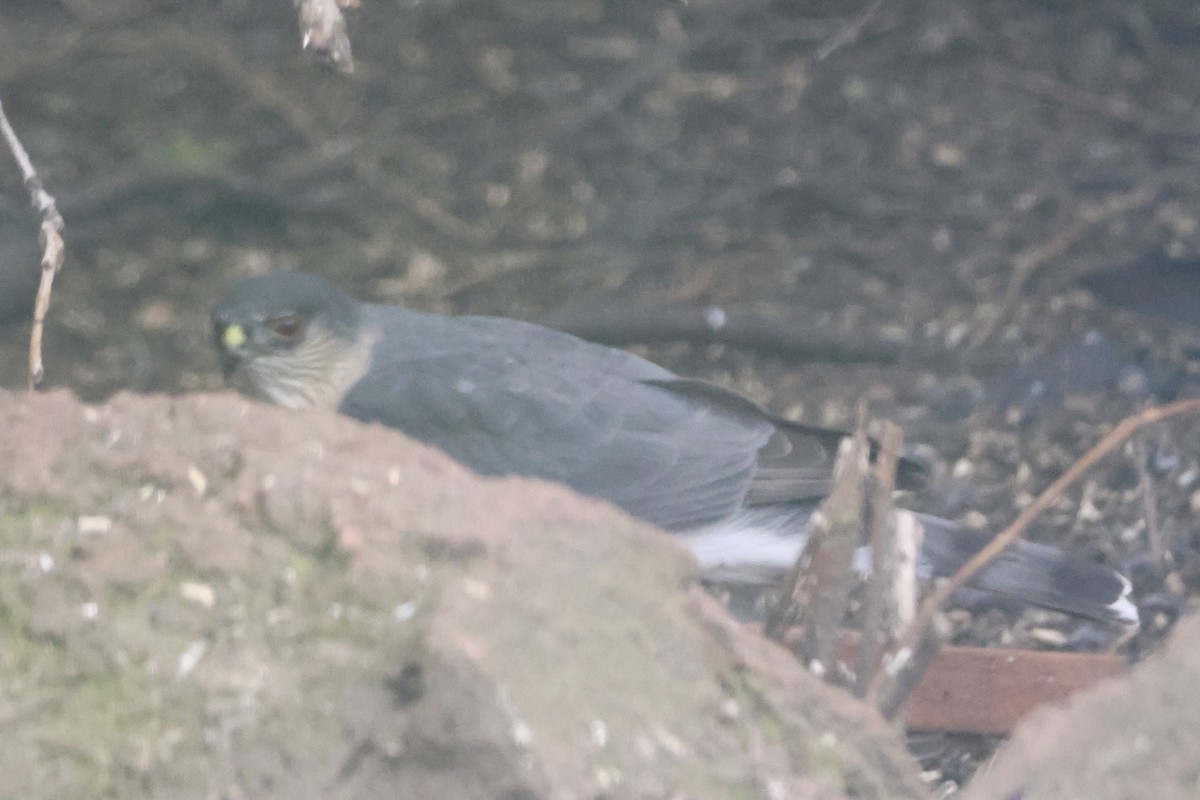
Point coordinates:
[(50, 236), (1108, 443)]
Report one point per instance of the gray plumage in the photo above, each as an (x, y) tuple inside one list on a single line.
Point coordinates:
[(509, 397)]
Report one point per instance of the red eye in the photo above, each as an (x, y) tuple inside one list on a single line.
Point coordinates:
[(288, 326)]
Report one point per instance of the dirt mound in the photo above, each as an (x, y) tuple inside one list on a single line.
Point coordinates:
[(206, 597)]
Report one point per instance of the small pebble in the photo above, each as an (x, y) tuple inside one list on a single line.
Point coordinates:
[(199, 593), (197, 479), (93, 525), (1048, 636)]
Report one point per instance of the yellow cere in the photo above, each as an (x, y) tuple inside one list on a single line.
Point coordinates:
[(233, 337)]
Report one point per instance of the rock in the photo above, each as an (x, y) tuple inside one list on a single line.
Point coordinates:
[(292, 605), (1135, 737)]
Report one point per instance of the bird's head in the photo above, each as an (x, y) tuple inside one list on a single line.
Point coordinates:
[(296, 339)]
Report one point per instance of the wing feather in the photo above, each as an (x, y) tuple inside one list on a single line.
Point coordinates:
[(507, 397), (503, 397)]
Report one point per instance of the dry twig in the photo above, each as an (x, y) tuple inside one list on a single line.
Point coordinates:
[(50, 237), (901, 671), (816, 593), (882, 610), (849, 33), (1154, 535), (919, 633), (323, 31)]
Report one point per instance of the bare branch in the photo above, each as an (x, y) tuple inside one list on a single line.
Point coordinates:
[(1154, 534), (919, 631), (883, 603), (849, 33), (49, 237), (817, 591), (902, 670)]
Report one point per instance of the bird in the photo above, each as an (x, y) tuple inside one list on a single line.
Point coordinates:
[(734, 482)]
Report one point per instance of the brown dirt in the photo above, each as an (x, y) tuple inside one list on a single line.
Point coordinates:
[(205, 597)]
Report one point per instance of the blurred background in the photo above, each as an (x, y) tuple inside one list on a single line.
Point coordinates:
[(980, 217)]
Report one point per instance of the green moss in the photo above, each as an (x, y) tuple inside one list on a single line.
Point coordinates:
[(23, 520), (109, 724), (809, 751)]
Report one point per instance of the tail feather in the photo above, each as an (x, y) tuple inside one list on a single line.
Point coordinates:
[(758, 546), (1032, 573)]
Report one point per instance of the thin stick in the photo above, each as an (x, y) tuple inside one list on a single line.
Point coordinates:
[(902, 670), (1154, 537), (50, 238), (849, 33), (881, 611), (1108, 443)]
